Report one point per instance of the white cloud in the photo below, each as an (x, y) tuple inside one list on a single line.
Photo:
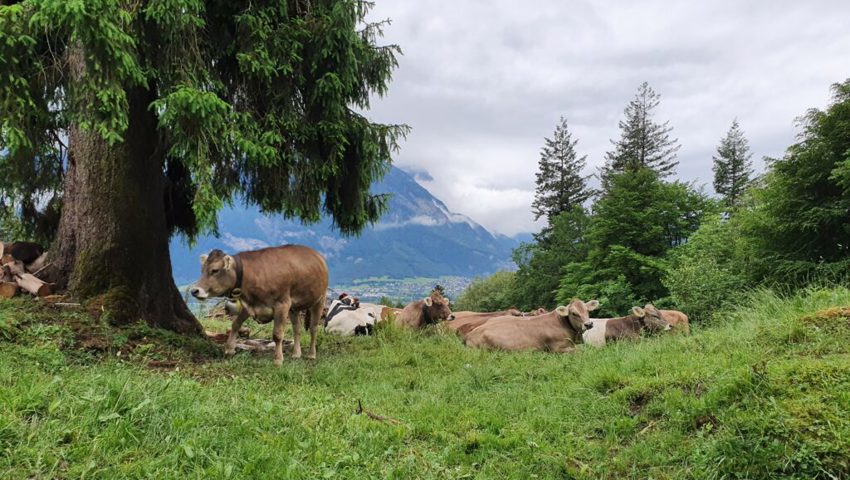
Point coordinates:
[(276, 231), (483, 81), (331, 246), (417, 220), (240, 243)]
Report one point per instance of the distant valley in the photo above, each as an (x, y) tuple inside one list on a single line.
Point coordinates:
[(418, 242)]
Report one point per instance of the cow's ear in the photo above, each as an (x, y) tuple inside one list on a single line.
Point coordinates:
[(228, 262), (563, 311), (592, 305), (639, 312), (428, 301), (204, 259), (648, 306)]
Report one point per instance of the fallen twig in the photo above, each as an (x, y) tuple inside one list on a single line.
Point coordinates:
[(41, 269), (374, 416), (646, 428)]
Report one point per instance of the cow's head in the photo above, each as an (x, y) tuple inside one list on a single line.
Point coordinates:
[(654, 321), (436, 308), (577, 314), (218, 276)]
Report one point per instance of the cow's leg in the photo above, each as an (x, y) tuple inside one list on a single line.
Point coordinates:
[(230, 345), (281, 311), (313, 315), (295, 319)]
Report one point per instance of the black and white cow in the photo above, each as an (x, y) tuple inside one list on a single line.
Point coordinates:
[(347, 316)]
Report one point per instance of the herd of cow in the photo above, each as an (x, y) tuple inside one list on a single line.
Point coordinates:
[(276, 283)]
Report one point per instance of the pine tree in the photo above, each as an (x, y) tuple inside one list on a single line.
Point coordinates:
[(643, 142), (560, 184), (168, 111), (732, 166)]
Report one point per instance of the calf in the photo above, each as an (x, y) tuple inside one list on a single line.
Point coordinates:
[(274, 282), (606, 330), (676, 319), (428, 311), (556, 331)]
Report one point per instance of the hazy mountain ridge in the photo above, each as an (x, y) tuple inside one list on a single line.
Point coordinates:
[(418, 237)]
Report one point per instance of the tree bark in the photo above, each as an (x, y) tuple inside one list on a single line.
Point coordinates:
[(112, 243)]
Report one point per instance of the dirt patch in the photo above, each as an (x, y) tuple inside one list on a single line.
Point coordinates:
[(162, 364), (96, 307), (829, 318), (92, 343), (638, 401), (707, 422)]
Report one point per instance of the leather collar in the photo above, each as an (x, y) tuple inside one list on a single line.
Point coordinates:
[(236, 292)]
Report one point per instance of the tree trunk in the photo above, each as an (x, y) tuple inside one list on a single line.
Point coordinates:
[(112, 243)]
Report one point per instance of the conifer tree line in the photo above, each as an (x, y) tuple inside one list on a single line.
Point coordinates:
[(646, 236)]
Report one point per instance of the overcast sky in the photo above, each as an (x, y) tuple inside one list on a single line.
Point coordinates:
[(482, 82)]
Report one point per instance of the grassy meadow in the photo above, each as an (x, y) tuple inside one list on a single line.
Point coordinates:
[(763, 392)]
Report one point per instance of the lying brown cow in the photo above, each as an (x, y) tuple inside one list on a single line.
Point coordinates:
[(676, 319), (556, 331), (429, 311), (464, 318), (390, 313), (607, 330), (275, 282)]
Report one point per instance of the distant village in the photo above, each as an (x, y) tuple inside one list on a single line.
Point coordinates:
[(402, 290)]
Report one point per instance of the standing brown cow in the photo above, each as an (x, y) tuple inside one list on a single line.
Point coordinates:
[(273, 282), (428, 311)]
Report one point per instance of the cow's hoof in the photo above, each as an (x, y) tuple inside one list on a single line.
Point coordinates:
[(230, 353), (296, 355), (278, 362), (311, 356)]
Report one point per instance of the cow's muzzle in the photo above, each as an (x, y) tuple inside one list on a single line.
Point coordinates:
[(588, 325), (199, 293)]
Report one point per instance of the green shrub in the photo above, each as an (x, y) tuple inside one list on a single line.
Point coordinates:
[(710, 271), (487, 294)]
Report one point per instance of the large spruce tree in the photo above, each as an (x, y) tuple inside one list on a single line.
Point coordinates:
[(560, 183), (732, 166), (168, 109), (643, 142)]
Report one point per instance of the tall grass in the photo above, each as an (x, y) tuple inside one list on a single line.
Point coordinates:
[(763, 393)]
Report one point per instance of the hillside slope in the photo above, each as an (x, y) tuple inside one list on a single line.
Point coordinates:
[(418, 237), (764, 394)]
